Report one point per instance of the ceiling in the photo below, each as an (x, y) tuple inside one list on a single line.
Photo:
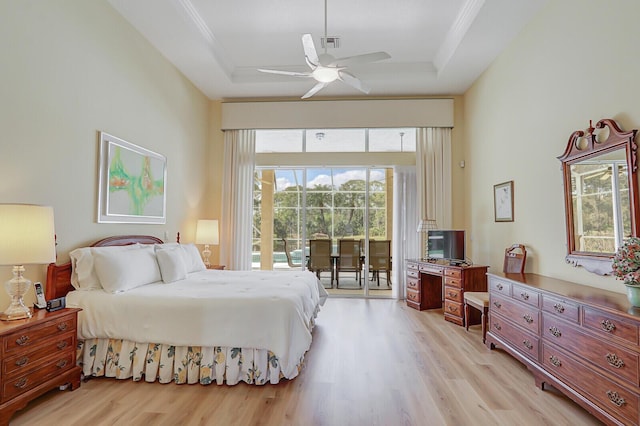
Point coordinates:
[(437, 47)]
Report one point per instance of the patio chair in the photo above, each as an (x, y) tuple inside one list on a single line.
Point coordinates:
[(320, 257), (349, 260)]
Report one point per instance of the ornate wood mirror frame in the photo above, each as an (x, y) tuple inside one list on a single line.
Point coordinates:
[(599, 167)]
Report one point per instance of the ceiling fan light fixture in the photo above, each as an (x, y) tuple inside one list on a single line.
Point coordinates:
[(325, 74)]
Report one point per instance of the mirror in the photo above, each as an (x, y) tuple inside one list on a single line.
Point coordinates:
[(600, 189)]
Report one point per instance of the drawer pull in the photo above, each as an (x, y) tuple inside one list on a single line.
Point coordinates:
[(22, 361), (555, 361), (559, 308), (62, 326), (21, 383), (62, 363), (527, 344), (614, 361), (555, 331), (525, 296), (615, 398), (497, 326), (62, 344), (451, 294), (608, 326), (499, 287), (22, 340), (528, 318), (497, 305), (451, 308)]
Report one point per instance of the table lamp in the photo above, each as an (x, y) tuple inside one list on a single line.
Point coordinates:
[(27, 237), (207, 233)]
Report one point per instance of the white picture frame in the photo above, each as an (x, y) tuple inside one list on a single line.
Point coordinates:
[(503, 201)]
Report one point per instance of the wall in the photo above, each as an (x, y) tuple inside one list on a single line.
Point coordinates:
[(576, 61), (70, 69)]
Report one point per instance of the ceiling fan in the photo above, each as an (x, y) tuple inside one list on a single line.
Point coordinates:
[(325, 68)]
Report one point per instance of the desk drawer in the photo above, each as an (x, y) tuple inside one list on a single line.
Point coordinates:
[(431, 268), (413, 296), (453, 273), (413, 284), (453, 308), (453, 293), (452, 282)]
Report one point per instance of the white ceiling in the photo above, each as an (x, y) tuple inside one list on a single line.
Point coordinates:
[(437, 47)]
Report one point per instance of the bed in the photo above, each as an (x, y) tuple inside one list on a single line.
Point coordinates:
[(151, 311)]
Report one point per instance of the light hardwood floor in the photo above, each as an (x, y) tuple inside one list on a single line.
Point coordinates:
[(372, 362)]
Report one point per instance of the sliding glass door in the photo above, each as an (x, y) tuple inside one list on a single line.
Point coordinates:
[(294, 206)]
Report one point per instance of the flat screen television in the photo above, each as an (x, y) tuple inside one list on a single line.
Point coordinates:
[(446, 244)]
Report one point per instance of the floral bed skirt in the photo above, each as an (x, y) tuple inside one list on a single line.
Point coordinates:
[(124, 359)]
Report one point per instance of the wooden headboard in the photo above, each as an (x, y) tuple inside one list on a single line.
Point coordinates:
[(59, 276)]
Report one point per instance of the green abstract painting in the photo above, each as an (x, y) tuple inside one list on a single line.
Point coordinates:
[(132, 183)]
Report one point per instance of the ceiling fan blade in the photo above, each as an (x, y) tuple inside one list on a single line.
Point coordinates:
[(310, 53), (353, 81), (360, 59), (315, 89), (290, 73)]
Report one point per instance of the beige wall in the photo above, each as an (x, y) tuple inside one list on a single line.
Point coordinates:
[(576, 61), (69, 69)]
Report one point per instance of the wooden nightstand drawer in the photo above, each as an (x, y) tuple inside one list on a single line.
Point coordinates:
[(14, 387), (36, 355), (34, 335)]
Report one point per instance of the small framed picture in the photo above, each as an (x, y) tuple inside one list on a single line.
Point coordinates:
[(503, 201)]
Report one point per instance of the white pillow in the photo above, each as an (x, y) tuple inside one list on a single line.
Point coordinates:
[(192, 258), (83, 274), (171, 262), (124, 270)]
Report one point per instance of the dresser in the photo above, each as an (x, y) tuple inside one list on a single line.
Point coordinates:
[(434, 285), (581, 340), (38, 354)]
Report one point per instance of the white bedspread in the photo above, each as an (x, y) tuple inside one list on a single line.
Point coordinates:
[(271, 310)]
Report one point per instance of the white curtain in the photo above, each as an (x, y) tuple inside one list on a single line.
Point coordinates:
[(237, 199), (406, 241), (433, 167)]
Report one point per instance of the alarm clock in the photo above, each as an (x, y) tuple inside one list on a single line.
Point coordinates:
[(55, 304)]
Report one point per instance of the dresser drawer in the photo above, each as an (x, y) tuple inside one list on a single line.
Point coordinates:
[(523, 341), (452, 273), (562, 308), (610, 396), (608, 356), (610, 325), (36, 355), (453, 293), (34, 335), (526, 295), (20, 384), (499, 286), (521, 314)]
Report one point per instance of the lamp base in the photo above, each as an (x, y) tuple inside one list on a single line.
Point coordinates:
[(16, 316)]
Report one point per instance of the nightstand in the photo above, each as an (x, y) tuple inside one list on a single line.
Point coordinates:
[(220, 267), (38, 354)]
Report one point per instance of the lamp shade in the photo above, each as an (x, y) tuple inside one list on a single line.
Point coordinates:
[(27, 234), (427, 225), (207, 231)]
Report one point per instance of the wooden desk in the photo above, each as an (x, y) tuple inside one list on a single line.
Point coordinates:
[(432, 285)]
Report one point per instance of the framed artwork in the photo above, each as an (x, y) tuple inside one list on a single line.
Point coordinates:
[(503, 201), (131, 184)]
